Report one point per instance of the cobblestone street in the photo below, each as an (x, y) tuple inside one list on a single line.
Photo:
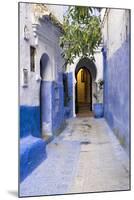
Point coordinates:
[(85, 157)]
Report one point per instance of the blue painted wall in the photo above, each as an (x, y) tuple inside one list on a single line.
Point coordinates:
[(70, 91), (32, 147), (52, 104), (46, 101), (30, 121), (32, 152), (116, 93), (68, 110), (58, 107)]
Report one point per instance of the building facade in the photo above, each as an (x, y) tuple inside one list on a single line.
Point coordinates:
[(116, 54), (41, 81)]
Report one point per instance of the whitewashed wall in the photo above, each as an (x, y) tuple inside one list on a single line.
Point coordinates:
[(45, 40), (114, 34), (33, 85), (99, 63)]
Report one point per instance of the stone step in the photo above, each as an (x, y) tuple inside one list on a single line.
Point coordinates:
[(32, 152)]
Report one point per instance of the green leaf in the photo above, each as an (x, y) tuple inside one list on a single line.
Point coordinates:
[(82, 33)]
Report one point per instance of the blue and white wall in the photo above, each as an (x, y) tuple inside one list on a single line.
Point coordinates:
[(41, 94), (116, 37), (44, 36), (29, 97)]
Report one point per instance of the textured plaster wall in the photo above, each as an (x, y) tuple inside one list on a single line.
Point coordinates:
[(70, 91), (99, 63), (116, 74), (52, 107), (48, 111), (58, 107), (33, 85), (45, 38), (30, 121), (68, 109), (114, 30)]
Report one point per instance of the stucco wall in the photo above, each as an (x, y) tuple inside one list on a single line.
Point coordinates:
[(116, 73), (41, 100), (44, 36), (33, 85)]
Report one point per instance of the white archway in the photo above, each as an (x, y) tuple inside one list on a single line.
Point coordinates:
[(99, 74)]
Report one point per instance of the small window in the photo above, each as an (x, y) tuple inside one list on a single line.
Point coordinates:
[(25, 77), (32, 58)]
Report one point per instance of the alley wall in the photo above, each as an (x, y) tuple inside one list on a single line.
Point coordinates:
[(116, 54), (37, 31)]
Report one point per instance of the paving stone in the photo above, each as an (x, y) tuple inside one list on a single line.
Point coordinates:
[(54, 175), (75, 166), (104, 169)]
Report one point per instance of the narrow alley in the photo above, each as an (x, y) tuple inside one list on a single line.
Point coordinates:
[(85, 157), (74, 113)]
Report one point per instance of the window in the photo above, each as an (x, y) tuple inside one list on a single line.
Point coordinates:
[(32, 58)]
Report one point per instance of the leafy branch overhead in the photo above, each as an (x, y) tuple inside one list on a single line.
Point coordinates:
[(82, 33)]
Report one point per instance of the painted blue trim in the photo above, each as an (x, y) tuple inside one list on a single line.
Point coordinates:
[(30, 121)]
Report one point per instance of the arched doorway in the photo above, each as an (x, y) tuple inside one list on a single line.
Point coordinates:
[(83, 91), (85, 75), (45, 114), (43, 65)]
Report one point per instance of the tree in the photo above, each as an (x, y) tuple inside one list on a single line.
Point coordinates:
[(81, 33)]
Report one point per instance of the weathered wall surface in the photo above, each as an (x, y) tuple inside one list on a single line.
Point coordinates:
[(29, 94), (99, 63), (44, 37), (41, 95), (58, 107), (117, 73), (68, 106)]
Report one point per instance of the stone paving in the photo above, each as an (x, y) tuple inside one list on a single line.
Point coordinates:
[(85, 157), (53, 175), (103, 165)]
